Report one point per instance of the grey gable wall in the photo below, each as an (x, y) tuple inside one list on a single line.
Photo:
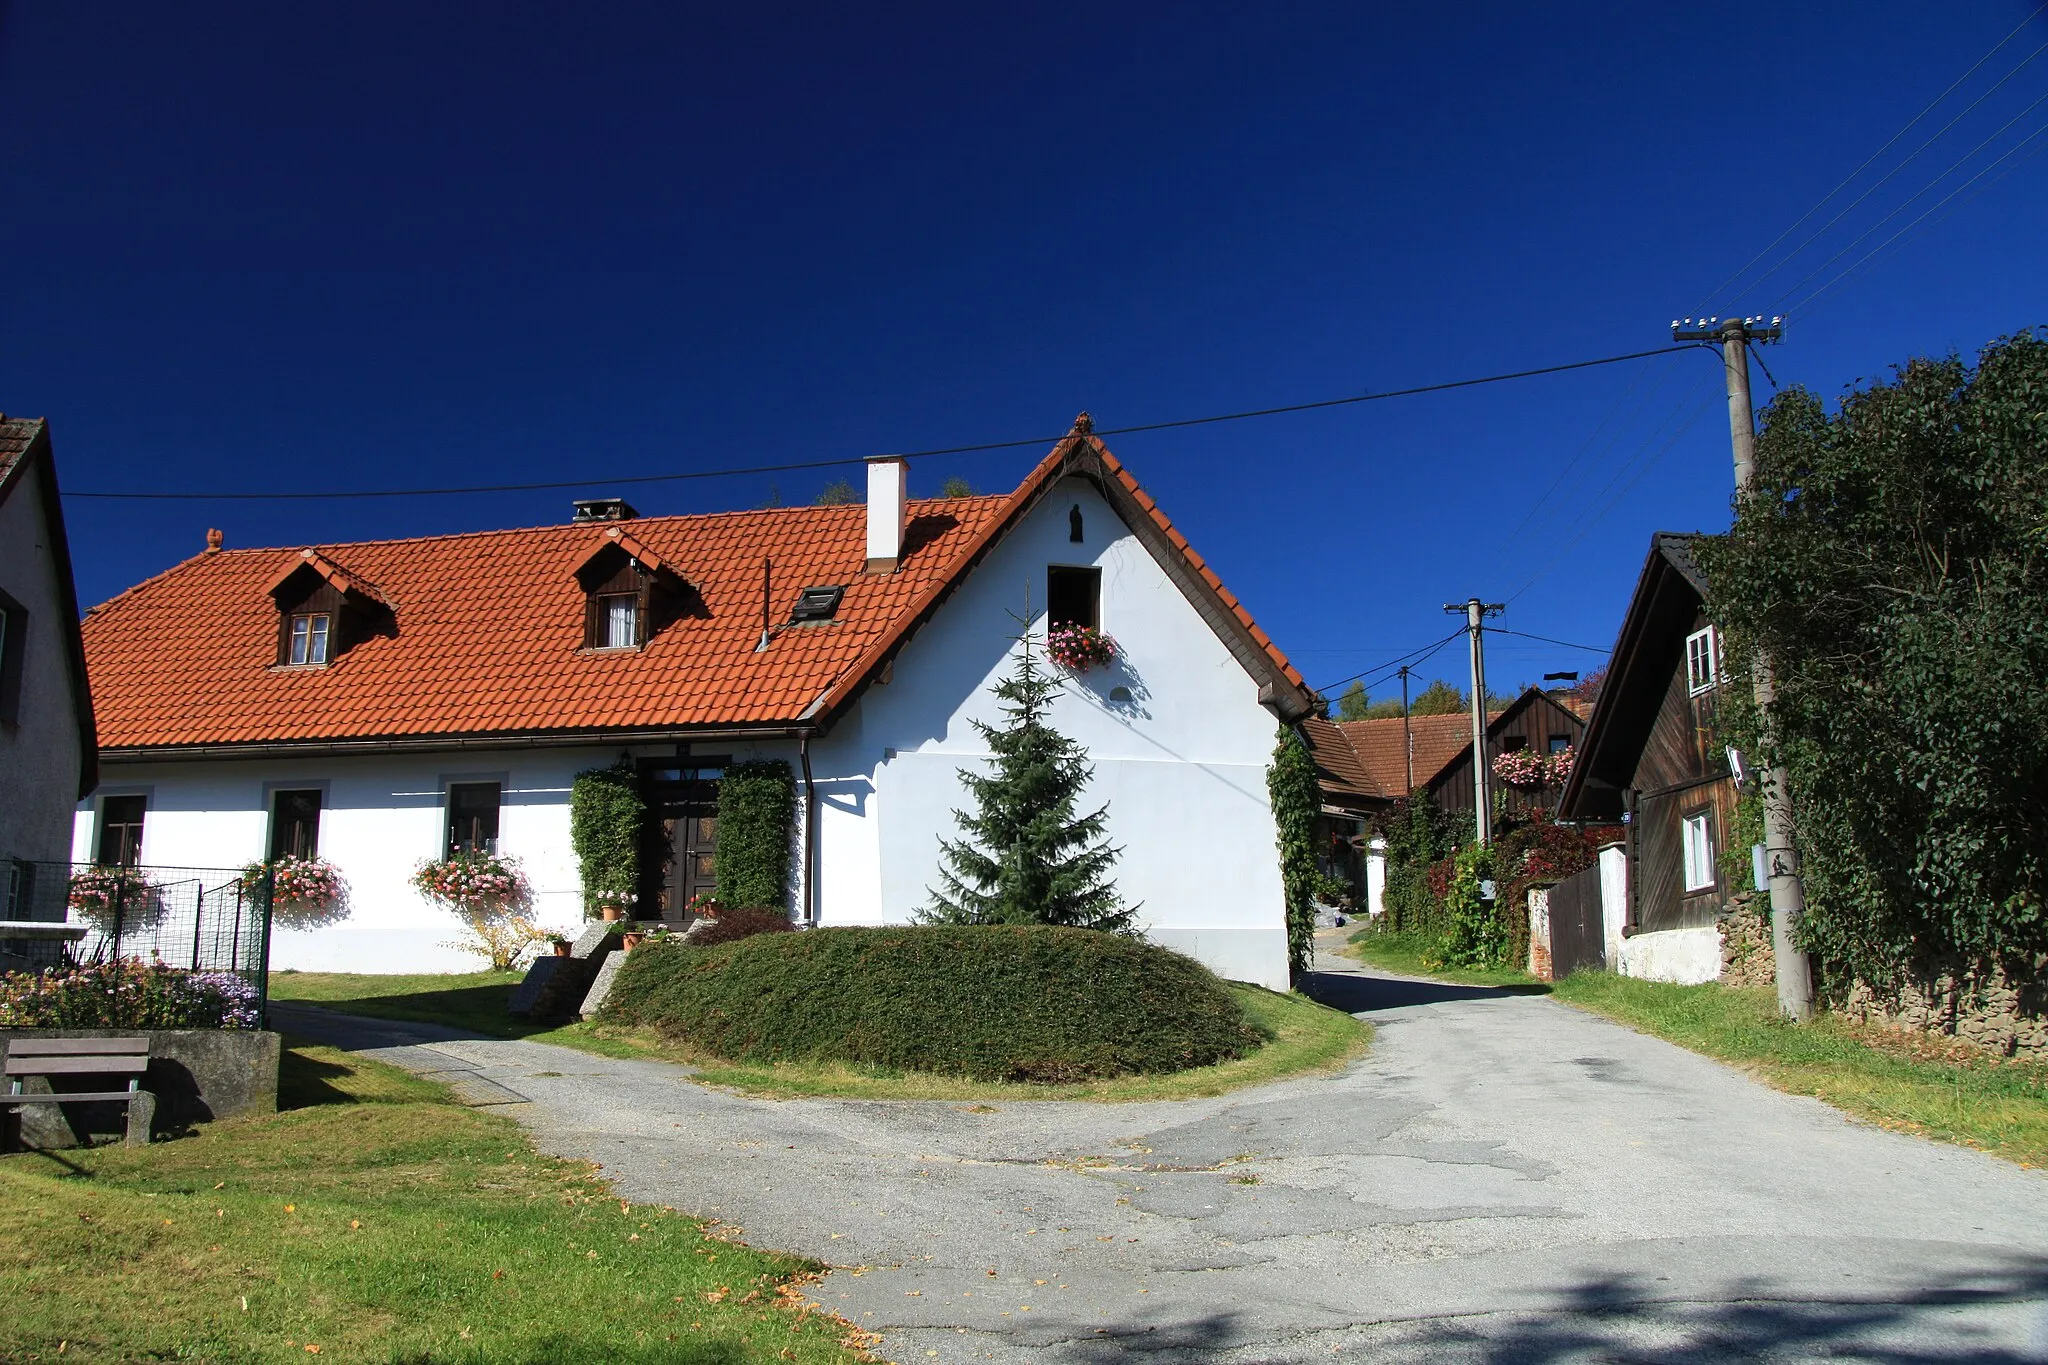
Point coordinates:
[(40, 754)]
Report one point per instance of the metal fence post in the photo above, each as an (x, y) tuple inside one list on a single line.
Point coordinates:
[(120, 910), (267, 889)]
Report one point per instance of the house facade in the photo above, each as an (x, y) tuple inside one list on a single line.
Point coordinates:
[(1654, 758), (385, 703), (47, 752)]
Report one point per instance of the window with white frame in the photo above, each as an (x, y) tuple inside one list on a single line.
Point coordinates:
[(1702, 661), (621, 620), (309, 637), (1697, 832)]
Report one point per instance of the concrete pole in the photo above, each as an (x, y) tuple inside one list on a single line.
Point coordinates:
[(1482, 794), (1407, 734), (1781, 858)]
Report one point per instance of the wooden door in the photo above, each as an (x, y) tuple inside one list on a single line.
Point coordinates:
[(678, 857)]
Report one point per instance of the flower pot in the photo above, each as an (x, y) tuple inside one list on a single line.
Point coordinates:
[(631, 939), (561, 946), (611, 914)]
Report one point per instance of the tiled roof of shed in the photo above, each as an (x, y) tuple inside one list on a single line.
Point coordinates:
[(490, 627), (1438, 740)]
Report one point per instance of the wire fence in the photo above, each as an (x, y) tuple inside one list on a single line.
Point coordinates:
[(204, 919)]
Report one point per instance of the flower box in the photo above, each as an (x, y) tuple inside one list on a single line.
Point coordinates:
[(1080, 648)]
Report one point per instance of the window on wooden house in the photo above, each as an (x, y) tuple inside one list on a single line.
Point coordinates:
[(310, 632), (294, 824), (630, 596), (1073, 597), (473, 817), (1702, 661), (1559, 743), (618, 621), (1697, 833), (121, 830)]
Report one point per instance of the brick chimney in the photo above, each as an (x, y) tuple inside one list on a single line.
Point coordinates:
[(887, 475)]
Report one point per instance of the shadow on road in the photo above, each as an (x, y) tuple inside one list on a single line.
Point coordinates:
[(1363, 994), (1621, 1320)]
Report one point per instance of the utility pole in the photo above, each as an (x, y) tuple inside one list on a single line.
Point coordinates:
[(1407, 733), (1781, 859), (1475, 613)]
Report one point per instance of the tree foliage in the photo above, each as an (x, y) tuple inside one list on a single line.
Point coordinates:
[(1438, 699), (1892, 564), (837, 493), (956, 487), (1297, 799), (1028, 858), (756, 827), (1354, 704)]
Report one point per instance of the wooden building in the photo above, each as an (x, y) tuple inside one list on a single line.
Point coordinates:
[(1438, 750), (1654, 757)]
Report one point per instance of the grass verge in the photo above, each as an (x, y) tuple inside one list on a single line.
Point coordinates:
[(375, 1219), (1307, 1037), (1406, 955), (1914, 1083), (465, 1000)]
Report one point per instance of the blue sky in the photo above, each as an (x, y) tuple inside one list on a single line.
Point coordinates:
[(367, 246)]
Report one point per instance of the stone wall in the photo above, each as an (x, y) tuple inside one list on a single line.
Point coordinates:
[(2002, 1009), (1746, 957), (197, 1075)]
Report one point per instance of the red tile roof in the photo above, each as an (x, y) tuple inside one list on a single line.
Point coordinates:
[(489, 626), (1340, 770), (1438, 740)]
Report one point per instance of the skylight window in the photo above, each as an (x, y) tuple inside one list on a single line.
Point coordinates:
[(816, 604)]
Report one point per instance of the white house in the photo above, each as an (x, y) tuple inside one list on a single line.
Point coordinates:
[(47, 754), (387, 701)]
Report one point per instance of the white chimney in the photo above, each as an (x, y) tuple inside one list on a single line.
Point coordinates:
[(886, 488)]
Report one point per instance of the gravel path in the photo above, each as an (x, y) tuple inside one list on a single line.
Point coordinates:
[(1502, 1179)]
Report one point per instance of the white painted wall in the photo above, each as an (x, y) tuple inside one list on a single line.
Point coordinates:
[(1684, 956), (40, 752), (1180, 760), (1613, 899), (1376, 878)]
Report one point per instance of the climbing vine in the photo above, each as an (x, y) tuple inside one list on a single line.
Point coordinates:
[(756, 823), (1297, 800), (606, 817)]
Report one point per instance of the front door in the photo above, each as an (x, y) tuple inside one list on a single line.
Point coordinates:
[(678, 862)]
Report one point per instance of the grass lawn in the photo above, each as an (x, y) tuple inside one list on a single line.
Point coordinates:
[(1307, 1037), (1404, 953), (375, 1219), (469, 1000), (1914, 1083)]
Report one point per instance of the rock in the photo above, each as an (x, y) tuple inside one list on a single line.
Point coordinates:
[(527, 994), (607, 972)]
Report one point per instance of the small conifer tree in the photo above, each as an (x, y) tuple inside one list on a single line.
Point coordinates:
[(1027, 858)]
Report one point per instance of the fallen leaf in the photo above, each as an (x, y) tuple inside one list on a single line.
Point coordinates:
[(311, 1349), (291, 1208)]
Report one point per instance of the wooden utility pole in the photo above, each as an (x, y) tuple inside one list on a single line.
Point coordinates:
[(1781, 858), (1407, 734), (1475, 613)]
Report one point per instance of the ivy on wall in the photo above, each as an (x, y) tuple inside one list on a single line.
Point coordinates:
[(756, 824), (606, 818), (1297, 799)]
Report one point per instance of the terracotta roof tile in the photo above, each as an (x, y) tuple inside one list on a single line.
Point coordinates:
[(1438, 740), (490, 627)]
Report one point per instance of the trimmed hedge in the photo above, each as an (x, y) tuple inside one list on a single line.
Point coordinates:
[(992, 1002), (756, 823)]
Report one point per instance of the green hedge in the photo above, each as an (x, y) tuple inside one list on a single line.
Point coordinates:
[(606, 816), (756, 822), (993, 1002)]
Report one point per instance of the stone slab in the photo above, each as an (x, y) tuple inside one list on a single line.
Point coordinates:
[(197, 1075), (602, 987), (528, 992)]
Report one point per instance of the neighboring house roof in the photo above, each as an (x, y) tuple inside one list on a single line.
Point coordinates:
[(25, 445), (1670, 592), (489, 627), (1381, 746), (1339, 770)]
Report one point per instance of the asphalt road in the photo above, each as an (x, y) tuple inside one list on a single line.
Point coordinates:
[(1502, 1179)]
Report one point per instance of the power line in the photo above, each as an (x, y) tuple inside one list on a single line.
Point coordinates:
[(1590, 649), (1890, 142), (908, 455), (1392, 666), (2010, 152)]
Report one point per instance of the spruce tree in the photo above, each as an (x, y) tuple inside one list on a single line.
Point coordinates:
[(1027, 858)]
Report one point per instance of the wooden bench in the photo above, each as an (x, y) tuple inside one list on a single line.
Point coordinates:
[(47, 1057)]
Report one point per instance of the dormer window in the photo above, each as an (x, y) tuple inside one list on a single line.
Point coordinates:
[(323, 611), (309, 637), (630, 595)]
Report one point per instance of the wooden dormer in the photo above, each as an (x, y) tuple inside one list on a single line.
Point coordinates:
[(323, 611), (630, 594)]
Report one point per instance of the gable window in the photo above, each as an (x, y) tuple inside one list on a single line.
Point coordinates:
[(294, 824), (1559, 743), (1073, 597), (1702, 661), (618, 621), (310, 630), (473, 817), (1510, 743), (121, 830), (1697, 831)]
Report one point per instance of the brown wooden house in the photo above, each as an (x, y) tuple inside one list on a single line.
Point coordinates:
[(1442, 749), (1653, 755)]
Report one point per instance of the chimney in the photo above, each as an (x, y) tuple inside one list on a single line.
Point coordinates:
[(213, 540), (603, 509), (886, 477)]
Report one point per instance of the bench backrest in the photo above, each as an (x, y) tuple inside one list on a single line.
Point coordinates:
[(76, 1056)]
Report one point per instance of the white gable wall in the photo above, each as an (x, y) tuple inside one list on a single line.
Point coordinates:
[(40, 753), (1181, 763)]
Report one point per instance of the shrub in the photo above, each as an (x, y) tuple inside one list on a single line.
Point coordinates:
[(756, 820), (994, 1002), (730, 926), (126, 994), (1476, 932), (606, 816), (1296, 801)]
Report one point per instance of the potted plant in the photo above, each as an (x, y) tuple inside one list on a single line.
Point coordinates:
[(305, 893), (473, 883), (560, 945), (1523, 768), (115, 897), (1079, 648), (632, 938)]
